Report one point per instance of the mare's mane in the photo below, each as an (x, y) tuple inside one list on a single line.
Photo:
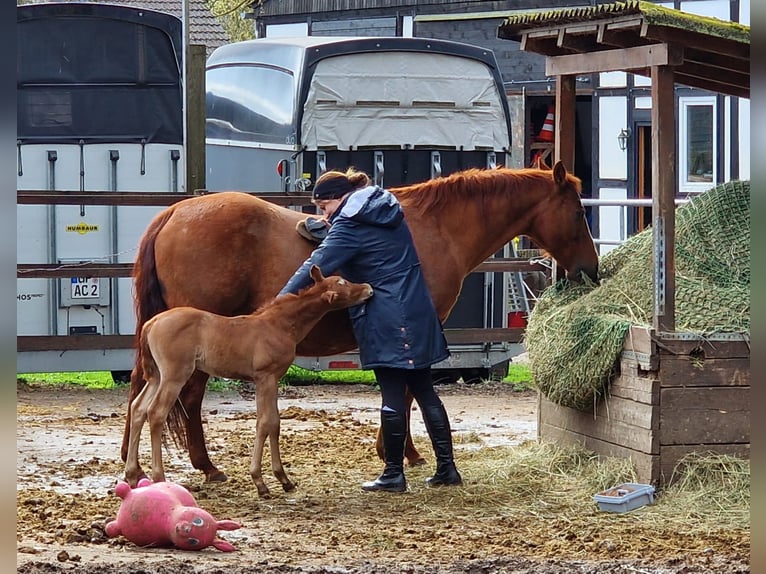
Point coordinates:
[(473, 185)]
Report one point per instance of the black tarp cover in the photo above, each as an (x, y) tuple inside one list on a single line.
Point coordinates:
[(98, 73)]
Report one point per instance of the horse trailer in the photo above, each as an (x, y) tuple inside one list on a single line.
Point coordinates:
[(280, 112), (100, 108)]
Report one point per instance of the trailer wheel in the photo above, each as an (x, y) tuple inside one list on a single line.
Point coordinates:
[(121, 377), (445, 376), (472, 376), (500, 371)]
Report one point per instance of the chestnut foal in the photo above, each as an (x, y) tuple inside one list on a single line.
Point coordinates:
[(259, 347)]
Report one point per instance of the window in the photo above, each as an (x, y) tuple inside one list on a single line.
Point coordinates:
[(697, 133), (250, 103)]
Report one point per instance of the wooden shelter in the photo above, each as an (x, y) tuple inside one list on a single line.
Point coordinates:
[(677, 392)]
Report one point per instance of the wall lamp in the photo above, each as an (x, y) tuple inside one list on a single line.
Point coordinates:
[(622, 138)]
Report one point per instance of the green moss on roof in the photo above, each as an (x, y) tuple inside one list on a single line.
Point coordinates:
[(653, 14)]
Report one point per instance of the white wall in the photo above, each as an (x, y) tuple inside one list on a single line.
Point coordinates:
[(612, 117)]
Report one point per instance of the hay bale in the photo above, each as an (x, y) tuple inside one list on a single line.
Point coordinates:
[(576, 332)]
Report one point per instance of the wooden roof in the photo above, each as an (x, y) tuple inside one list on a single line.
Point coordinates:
[(633, 36)]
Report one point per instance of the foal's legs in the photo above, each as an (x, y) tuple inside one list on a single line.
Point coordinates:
[(164, 398), (137, 416), (136, 386), (267, 425)]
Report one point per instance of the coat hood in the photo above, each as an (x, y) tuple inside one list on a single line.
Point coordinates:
[(372, 205)]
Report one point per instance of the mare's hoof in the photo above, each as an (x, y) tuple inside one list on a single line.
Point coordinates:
[(289, 486), (264, 494), (420, 461), (216, 476)]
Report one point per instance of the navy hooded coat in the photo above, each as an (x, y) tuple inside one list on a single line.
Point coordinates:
[(370, 242)]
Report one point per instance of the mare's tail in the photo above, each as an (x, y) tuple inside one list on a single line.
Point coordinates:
[(147, 301)]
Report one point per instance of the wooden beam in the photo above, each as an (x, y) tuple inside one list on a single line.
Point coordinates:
[(704, 42), (473, 336), (73, 342), (136, 198), (564, 149), (663, 196), (65, 270), (195, 117), (613, 60)]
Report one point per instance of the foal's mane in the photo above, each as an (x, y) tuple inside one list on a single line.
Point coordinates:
[(476, 184), (307, 291)]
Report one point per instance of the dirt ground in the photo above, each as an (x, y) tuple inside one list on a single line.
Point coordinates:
[(68, 462)]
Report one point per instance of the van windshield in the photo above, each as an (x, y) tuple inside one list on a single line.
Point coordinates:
[(250, 103)]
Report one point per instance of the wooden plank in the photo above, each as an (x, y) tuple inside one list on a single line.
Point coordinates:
[(690, 371), (564, 120), (471, 336), (645, 465), (618, 409), (509, 265), (635, 388), (670, 455), (639, 340), (73, 342), (705, 415), (613, 60), (591, 425), (137, 198), (36, 270), (195, 117), (663, 197), (704, 348)]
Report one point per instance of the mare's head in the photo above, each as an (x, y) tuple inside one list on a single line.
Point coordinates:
[(338, 292), (560, 227)]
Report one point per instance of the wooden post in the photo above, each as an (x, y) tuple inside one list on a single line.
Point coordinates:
[(564, 149), (195, 118), (663, 197)]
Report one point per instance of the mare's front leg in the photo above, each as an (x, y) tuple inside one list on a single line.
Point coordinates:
[(411, 454), (191, 399)]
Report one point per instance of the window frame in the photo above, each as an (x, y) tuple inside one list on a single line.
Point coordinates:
[(685, 103)]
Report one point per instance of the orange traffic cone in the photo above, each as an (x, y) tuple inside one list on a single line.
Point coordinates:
[(546, 133)]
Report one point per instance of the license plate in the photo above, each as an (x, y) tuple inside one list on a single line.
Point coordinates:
[(85, 287)]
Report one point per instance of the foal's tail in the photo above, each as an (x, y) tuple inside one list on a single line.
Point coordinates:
[(148, 364)]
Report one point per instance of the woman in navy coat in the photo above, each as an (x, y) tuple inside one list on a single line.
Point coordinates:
[(397, 330)]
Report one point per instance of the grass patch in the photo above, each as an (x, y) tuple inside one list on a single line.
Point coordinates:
[(90, 379), (299, 376), (518, 375)]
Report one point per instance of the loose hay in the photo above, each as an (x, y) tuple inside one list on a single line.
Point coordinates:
[(576, 332)]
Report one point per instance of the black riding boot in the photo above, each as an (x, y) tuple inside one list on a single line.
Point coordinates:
[(393, 427), (437, 425)]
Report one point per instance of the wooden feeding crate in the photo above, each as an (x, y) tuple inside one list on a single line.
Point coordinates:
[(675, 394)]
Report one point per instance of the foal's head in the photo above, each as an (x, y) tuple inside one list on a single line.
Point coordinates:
[(338, 292)]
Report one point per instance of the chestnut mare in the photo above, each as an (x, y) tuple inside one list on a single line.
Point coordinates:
[(259, 347), (231, 252)]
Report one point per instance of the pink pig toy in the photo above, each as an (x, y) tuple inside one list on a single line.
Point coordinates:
[(166, 514)]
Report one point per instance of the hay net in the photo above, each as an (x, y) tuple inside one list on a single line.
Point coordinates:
[(575, 333)]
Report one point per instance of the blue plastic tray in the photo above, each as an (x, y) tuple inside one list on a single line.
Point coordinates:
[(625, 497)]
